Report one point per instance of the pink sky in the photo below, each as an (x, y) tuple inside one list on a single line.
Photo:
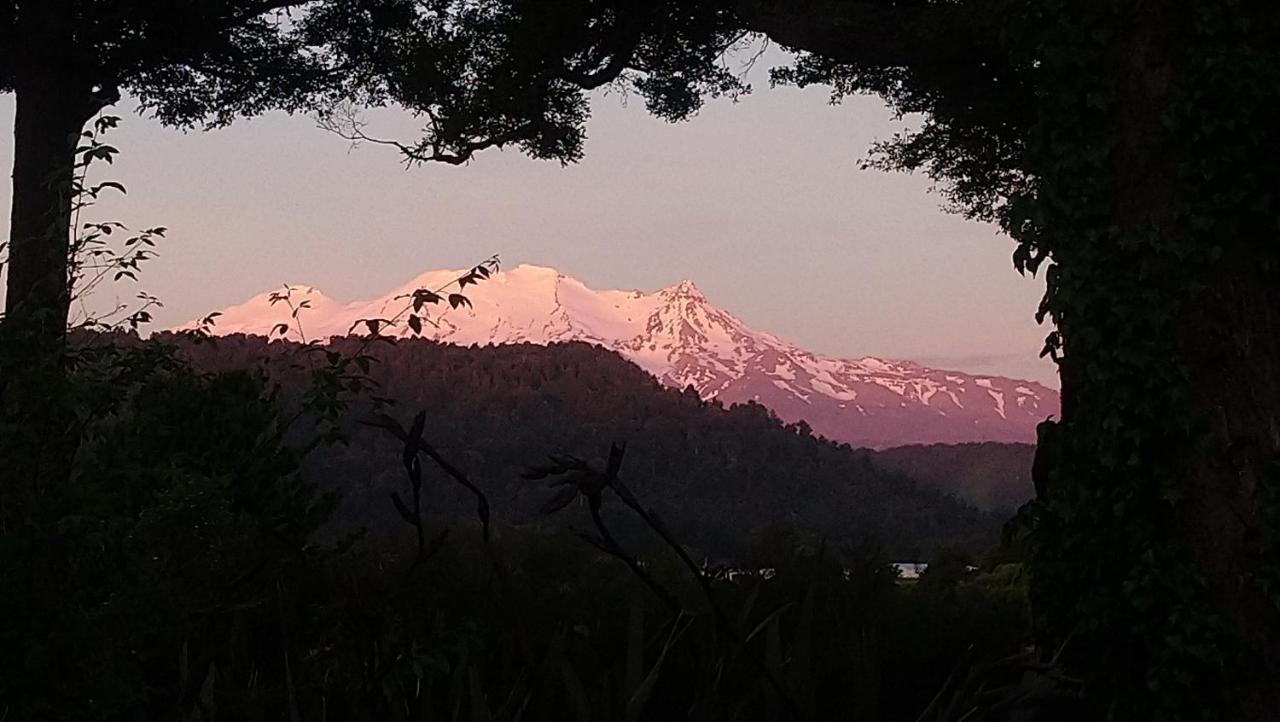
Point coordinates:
[(760, 202)]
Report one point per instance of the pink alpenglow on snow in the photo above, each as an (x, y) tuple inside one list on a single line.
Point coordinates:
[(677, 335)]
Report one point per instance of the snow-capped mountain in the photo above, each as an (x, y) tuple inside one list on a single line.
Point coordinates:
[(683, 340)]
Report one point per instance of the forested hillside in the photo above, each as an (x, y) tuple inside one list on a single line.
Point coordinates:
[(721, 477), (989, 475)]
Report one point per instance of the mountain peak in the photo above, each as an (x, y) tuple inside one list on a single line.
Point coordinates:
[(683, 340), (534, 270), (683, 289)]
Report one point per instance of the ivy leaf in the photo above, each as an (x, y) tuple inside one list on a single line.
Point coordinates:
[(457, 299)]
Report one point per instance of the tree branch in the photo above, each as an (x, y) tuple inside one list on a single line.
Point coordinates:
[(883, 33)]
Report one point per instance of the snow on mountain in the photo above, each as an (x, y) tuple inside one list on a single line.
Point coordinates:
[(683, 340)]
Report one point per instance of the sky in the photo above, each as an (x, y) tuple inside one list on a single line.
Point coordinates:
[(760, 202)]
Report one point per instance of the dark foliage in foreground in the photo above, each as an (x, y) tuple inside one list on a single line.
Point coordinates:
[(179, 577), (717, 475)]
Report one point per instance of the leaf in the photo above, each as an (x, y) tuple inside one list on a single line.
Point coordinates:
[(767, 621), (616, 451), (208, 705), (457, 299), (636, 704), (383, 421), (534, 473), (479, 709), (799, 655), (372, 325), (573, 685), (566, 461), (415, 324), (562, 498), (423, 296), (633, 658), (280, 328), (405, 514), (414, 437), (744, 614), (482, 511)]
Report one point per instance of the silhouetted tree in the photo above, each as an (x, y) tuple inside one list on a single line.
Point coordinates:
[(1129, 148)]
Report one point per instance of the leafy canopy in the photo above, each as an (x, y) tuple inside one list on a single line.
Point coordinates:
[(480, 73)]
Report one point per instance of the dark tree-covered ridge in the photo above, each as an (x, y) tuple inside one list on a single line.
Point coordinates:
[(990, 475), (722, 476)]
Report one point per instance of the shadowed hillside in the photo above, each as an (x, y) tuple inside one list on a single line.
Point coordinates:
[(718, 475), (989, 475)]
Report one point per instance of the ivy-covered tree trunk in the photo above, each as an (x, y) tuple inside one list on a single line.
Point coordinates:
[(1158, 493)]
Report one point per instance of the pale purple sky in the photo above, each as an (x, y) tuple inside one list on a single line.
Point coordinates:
[(761, 203)]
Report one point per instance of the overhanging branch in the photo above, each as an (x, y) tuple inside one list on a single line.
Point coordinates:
[(883, 33)]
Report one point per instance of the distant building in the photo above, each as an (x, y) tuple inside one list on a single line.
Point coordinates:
[(910, 571)]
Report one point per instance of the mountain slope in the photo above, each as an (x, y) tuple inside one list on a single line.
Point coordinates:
[(677, 335)]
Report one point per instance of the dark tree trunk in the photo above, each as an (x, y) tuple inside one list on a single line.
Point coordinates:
[(1157, 522), (1158, 490), (1226, 344), (36, 410), (46, 129), (1233, 478)]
